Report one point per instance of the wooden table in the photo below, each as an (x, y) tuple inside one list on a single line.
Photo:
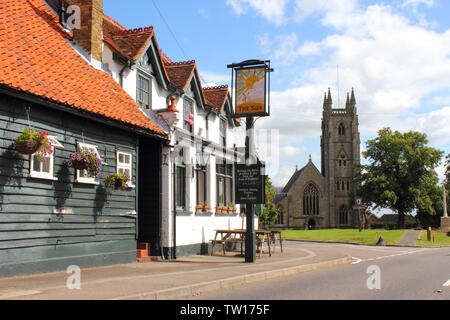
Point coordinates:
[(224, 236), (273, 237)]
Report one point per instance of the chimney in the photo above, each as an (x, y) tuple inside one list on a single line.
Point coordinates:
[(90, 34)]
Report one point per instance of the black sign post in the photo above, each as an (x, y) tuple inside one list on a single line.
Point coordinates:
[(251, 99)]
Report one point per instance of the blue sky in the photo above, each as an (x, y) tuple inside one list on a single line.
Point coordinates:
[(395, 54)]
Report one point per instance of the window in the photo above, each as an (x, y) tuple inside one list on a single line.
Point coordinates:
[(124, 164), (223, 131), (187, 107), (342, 161), (201, 186), (44, 169), (311, 200), (143, 91), (82, 175), (181, 182), (341, 129), (280, 218), (343, 215), (224, 176)]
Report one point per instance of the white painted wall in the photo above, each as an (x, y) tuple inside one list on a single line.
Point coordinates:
[(192, 229)]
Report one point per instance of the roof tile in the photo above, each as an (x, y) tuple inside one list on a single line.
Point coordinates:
[(42, 62)]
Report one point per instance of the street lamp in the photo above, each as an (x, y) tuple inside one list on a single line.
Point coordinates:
[(358, 207)]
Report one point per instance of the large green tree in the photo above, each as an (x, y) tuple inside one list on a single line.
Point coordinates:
[(400, 174), (270, 211)]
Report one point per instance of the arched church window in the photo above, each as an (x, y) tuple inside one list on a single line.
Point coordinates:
[(311, 200), (341, 129), (343, 215)]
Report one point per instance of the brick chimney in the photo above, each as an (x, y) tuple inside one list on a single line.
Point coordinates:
[(90, 35)]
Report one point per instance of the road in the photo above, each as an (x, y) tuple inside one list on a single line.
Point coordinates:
[(376, 273)]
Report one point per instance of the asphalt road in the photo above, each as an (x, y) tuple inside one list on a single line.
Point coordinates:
[(376, 273)]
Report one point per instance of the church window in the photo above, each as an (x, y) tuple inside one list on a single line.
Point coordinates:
[(343, 215), (341, 129), (310, 200)]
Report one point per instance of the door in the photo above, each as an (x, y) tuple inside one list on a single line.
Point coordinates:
[(149, 209)]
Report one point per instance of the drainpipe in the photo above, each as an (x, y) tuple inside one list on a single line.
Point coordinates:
[(174, 249), (161, 166), (128, 64)]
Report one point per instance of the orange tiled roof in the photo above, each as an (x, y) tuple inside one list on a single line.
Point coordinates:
[(216, 96), (37, 59)]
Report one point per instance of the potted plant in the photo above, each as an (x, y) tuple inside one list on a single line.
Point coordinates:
[(86, 160), (220, 209), (117, 181), (202, 207), (31, 141)]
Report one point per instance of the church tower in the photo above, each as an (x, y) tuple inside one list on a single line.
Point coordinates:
[(340, 150)]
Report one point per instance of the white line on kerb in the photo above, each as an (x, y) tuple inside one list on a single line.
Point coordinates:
[(447, 284)]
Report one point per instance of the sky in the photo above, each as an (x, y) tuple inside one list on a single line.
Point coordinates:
[(395, 54)]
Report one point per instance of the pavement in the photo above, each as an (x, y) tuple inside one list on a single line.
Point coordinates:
[(169, 279), (409, 238)]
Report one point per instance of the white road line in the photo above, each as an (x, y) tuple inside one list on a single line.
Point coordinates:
[(357, 260), (447, 284)]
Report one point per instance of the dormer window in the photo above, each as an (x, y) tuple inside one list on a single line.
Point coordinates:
[(143, 91), (341, 129)]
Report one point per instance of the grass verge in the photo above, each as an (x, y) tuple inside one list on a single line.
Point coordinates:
[(345, 235), (440, 239)]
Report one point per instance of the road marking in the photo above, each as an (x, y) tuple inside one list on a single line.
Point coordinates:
[(447, 284), (358, 260)]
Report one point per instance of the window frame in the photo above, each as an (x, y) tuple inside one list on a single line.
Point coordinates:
[(51, 158), (181, 193), (139, 90), (188, 102), (90, 180), (124, 165), (223, 124), (227, 176)]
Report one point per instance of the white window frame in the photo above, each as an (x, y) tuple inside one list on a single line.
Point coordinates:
[(50, 157), (124, 165), (90, 180)]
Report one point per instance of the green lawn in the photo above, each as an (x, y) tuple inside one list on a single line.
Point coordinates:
[(440, 239), (345, 235)]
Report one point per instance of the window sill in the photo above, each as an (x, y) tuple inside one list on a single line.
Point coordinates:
[(87, 182), (183, 213), (226, 214), (204, 213), (35, 176)]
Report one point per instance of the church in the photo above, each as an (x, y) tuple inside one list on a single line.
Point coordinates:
[(314, 199)]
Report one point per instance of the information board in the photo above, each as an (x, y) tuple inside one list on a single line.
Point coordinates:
[(250, 184)]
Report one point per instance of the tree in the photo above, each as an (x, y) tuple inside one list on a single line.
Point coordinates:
[(400, 174), (270, 212)]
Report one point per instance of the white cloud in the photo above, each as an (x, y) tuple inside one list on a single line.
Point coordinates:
[(436, 125), (391, 63), (272, 10), (212, 79)]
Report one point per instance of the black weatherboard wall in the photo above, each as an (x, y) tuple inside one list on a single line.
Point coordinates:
[(47, 225)]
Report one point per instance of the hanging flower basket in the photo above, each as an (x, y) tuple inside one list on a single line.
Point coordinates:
[(27, 147), (33, 142), (86, 160), (117, 181), (81, 164)]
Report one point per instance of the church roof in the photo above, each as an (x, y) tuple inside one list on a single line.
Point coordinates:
[(296, 175), (292, 180)]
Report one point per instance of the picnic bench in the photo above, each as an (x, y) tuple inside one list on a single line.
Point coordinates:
[(225, 236)]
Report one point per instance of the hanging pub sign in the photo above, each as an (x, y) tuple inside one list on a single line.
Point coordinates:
[(251, 88)]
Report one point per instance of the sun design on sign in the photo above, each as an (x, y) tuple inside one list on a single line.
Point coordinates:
[(250, 84)]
